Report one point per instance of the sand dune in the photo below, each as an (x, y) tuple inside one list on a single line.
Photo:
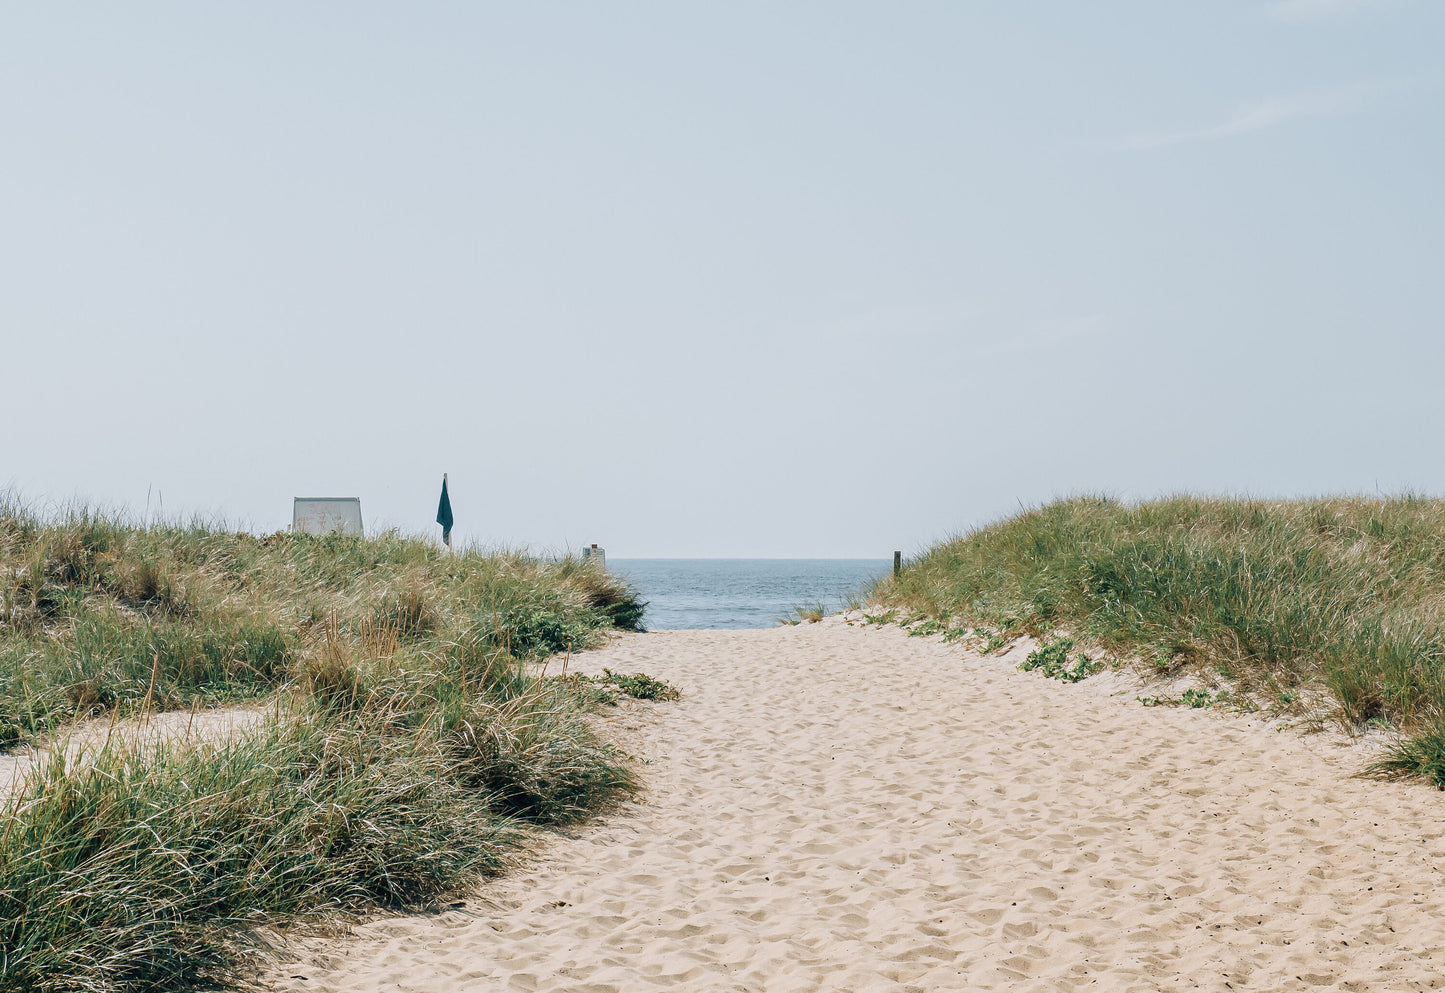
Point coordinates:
[(840, 808)]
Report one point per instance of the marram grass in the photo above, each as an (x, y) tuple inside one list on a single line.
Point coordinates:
[(145, 868), (1341, 596), (97, 615), (408, 747)]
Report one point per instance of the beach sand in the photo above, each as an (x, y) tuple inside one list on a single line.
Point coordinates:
[(833, 807), (86, 738)]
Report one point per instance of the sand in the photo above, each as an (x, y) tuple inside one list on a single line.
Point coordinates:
[(834, 807), (86, 738)]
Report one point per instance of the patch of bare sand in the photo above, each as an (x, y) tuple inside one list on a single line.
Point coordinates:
[(841, 808), (87, 737)]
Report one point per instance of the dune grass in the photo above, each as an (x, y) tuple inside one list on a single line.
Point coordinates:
[(408, 746), (98, 614), (810, 613), (1340, 598)]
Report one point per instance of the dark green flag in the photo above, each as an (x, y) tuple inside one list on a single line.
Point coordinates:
[(444, 513)]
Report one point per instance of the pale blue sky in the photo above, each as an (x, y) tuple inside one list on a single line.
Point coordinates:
[(779, 279)]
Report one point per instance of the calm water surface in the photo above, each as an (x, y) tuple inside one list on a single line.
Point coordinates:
[(741, 593)]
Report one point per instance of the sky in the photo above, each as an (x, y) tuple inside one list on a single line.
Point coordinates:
[(750, 279)]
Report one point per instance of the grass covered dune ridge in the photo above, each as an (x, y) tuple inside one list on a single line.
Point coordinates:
[(1277, 598), (98, 614), (408, 743)]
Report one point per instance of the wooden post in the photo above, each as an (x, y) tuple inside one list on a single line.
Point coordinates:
[(897, 563)]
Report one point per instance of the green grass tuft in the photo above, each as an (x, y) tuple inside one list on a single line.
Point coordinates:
[(1422, 756), (807, 614)]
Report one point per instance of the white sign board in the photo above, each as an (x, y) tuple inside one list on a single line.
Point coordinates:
[(323, 515)]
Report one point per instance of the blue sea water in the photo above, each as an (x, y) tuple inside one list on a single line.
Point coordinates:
[(741, 593)]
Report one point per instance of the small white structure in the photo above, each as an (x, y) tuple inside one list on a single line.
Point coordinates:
[(600, 554), (323, 515)]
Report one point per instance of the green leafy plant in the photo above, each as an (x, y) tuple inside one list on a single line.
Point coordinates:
[(1196, 697), (638, 685), (1052, 659), (1049, 657)]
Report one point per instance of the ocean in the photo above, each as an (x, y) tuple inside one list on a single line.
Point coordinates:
[(741, 593)]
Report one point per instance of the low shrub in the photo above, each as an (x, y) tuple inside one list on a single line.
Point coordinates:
[(604, 592), (640, 685)]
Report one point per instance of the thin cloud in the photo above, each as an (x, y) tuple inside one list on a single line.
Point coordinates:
[(1274, 111), (1306, 11)]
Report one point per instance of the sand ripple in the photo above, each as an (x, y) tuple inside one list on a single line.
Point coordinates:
[(840, 808)]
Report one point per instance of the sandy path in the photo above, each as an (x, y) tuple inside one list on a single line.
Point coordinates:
[(839, 808), (88, 737)]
